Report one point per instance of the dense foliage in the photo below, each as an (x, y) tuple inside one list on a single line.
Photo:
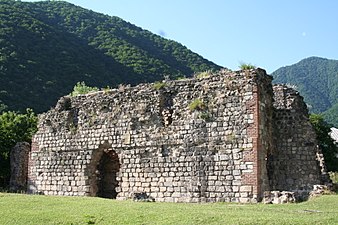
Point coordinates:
[(47, 47), (331, 115), (317, 80), (326, 143), (14, 127)]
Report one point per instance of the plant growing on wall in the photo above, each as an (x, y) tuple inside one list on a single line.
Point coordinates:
[(180, 78), (205, 116), (106, 89), (159, 85), (246, 66), (81, 88), (204, 74), (197, 104)]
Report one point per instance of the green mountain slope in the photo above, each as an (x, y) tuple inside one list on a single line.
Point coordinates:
[(331, 115), (317, 80), (47, 47)]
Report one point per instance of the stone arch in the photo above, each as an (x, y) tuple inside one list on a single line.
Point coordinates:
[(103, 172)]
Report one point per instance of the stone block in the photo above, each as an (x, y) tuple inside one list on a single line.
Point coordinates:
[(212, 178), (163, 189), (176, 195), (220, 189)]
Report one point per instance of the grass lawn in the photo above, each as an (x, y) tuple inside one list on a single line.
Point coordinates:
[(37, 209)]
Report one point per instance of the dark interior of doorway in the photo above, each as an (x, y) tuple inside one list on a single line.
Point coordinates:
[(107, 169)]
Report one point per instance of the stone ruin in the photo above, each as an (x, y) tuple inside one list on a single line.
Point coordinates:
[(229, 137), (19, 160)]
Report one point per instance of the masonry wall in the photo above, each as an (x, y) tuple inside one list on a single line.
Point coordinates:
[(261, 132), (294, 161), (152, 142), (228, 137)]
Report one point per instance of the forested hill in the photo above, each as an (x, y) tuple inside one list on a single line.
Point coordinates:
[(317, 80), (47, 47)]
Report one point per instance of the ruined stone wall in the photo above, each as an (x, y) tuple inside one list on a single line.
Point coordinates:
[(293, 161), (228, 137), (19, 160), (187, 141)]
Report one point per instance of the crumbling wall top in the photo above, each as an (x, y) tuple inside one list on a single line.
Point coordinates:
[(288, 98), (64, 115)]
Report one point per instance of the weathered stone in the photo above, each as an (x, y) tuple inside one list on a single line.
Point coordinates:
[(143, 197), (277, 197), (19, 166), (319, 190), (245, 189), (221, 138), (294, 134)]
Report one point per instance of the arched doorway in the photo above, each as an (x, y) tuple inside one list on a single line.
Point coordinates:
[(103, 172), (106, 174)]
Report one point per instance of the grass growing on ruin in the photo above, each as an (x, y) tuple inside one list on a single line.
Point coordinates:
[(34, 209), (197, 104), (159, 85), (204, 74)]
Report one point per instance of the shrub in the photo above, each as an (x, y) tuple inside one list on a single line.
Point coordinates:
[(106, 89), (81, 88), (326, 143), (246, 66), (197, 104), (14, 127), (205, 116), (334, 177)]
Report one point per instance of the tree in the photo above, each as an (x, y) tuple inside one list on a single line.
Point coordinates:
[(14, 127), (40, 45), (326, 143), (3, 107)]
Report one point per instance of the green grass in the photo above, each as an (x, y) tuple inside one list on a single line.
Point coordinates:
[(35, 209)]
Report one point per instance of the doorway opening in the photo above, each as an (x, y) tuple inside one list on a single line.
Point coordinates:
[(106, 174)]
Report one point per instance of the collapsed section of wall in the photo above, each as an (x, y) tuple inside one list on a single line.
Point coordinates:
[(293, 163), (179, 141)]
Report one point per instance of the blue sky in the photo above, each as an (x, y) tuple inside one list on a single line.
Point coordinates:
[(268, 34)]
